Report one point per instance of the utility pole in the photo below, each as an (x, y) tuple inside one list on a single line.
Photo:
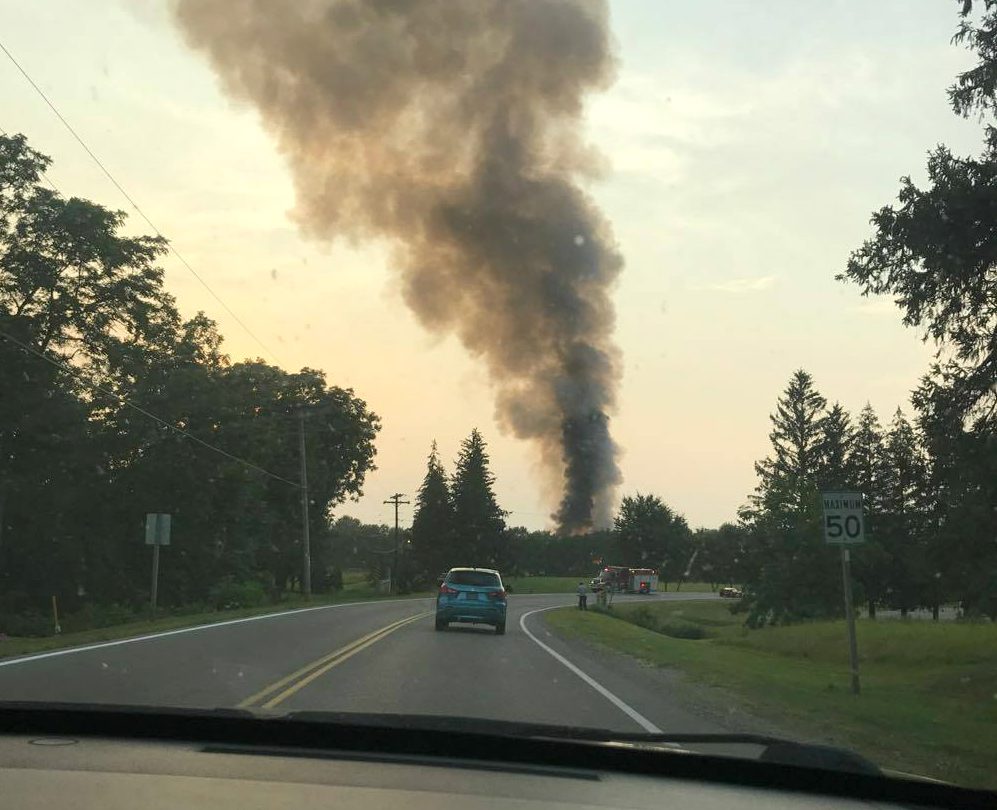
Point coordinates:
[(395, 499), (306, 551)]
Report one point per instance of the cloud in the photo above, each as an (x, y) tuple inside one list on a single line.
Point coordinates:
[(736, 286)]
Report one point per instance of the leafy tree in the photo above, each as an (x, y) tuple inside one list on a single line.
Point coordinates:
[(479, 522), (72, 288), (80, 467), (433, 522), (649, 533), (70, 282), (720, 555)]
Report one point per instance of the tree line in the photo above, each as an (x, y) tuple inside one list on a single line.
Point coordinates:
[(929, 517), (458, 522), (930, 482), (112, 406)]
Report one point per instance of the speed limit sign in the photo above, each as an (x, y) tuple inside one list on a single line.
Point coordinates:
[(843, 524)]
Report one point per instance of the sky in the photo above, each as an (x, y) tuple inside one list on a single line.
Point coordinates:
[(746, 143)]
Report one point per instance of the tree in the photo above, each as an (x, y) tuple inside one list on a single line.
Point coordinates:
[(433, 522), (962, 477), (70, 282), (89, 326), (649, 533), (865, 463), (934, 254), (479, 523), (788, 478), (720, 555), (789, 571), (836, 446), (902, 520)]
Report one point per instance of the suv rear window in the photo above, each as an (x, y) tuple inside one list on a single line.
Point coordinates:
[(481, 578)]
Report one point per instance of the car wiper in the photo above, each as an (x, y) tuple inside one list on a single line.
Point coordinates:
[(472, 740), (777, 750)]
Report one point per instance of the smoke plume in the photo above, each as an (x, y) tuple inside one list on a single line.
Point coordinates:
[(450, 127)]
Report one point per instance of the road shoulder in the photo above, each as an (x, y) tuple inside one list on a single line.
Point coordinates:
[(672, 699)]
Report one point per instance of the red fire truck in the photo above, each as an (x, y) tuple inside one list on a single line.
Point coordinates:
[(623, 579)]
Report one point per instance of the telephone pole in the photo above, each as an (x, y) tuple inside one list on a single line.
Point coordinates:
[(395, 499), (306, 578)]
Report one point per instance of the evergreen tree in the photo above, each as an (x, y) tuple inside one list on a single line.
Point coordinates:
[(479, 523), (789, 571), (837, 437), (788, 479), (871, 562), (433, 523), (903, 518)]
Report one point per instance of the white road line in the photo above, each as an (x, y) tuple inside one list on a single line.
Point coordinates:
[(624, 707), (23, 659)]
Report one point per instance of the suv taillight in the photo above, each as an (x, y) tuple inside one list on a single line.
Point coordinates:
[(446, 589), (497, 595)]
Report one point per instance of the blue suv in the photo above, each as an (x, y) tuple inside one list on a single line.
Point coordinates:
[(473, 595)]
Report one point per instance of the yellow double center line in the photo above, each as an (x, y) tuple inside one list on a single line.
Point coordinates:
[(281, 690)]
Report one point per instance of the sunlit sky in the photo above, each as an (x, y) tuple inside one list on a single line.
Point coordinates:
[(747, 143)]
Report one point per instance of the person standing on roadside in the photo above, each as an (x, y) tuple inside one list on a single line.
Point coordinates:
[(583, 597)]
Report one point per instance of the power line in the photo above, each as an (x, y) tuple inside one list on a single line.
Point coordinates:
[(134, 204), (125, 401)]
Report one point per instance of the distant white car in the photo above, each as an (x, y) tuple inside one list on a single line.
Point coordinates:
[(730, 593)]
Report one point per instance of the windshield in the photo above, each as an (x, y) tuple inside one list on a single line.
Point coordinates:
[(681, 317), (479, 578)]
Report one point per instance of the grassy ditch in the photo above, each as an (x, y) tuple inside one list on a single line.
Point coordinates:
[(929, 691)]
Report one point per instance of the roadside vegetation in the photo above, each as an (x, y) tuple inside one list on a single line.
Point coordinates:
[(121, 623), (929, 690)]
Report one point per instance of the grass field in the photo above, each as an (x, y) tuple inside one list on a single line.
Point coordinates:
[(353, 591), (570, 584), (929, 691)]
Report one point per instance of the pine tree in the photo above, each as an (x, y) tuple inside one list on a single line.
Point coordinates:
[(962, 544), (788, 478), (837, 437), (433, 523), (872, 563), (788, 569), (479, 523), (903, 516)]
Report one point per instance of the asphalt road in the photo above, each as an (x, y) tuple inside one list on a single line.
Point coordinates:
[(371, 657)]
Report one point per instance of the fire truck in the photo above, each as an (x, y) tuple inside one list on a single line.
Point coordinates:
[(623, 579)]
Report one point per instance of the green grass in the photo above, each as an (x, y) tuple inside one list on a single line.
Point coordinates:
[(354, 592), (570, 585), (929, 691)]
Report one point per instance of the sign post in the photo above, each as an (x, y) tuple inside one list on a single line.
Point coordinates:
[(157, 533), (844, 526)]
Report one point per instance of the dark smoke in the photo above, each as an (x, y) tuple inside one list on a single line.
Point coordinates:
[(451, 127)]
